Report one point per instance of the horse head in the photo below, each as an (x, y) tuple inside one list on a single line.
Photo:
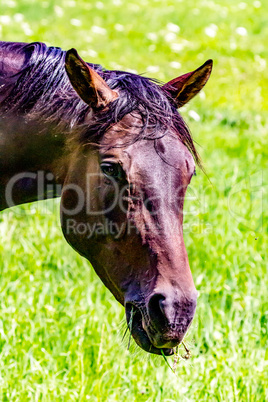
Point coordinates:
[(122, 201)]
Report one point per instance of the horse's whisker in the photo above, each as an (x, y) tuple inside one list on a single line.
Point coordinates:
[(125, 332), (130, 327), (163, 354)]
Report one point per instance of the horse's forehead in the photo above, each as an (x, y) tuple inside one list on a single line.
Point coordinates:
[(165, 153), (124, 131)]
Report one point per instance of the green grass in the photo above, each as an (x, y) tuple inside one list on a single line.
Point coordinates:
[(60, 329)]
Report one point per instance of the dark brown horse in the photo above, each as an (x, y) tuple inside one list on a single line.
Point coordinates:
[(114, 146)]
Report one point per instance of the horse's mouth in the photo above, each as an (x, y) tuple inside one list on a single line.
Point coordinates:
[(134, 321)]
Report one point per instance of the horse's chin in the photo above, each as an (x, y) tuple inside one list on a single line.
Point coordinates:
[(140, 336)]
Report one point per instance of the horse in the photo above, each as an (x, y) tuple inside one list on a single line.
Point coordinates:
[(113, 145)]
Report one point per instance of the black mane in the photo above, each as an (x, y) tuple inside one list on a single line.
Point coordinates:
[(42, 88)]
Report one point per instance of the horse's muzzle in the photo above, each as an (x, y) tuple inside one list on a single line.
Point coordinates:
[(162, 324)]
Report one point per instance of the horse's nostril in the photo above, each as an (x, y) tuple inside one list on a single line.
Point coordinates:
[(166, 313), (149, 206), (156, 309)]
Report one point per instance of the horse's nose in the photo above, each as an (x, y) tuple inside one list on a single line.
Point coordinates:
[(170, 319)]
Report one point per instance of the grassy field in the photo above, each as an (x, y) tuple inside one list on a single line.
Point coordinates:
[(60, 329)]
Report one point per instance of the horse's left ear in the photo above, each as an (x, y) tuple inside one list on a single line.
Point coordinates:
[(88, 84), (184, 88)]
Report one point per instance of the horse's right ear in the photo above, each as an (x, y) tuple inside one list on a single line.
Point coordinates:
[(86, 82), (182, 89)]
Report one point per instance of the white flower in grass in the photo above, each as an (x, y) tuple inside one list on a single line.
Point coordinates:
[(151, 48), (115, 66), (242, 5), (88, 38), (10, 3), (92, 53), (75, 22), (119, 27), (58, 11), (5, 19), (217, 335), (134, 7), (211, 30), (98, 30), (18, 17), (173, 27), (233, 45), (241, 31), (70, 3), (195, 116), (152, 69), (152, 36), (99, 5), (257, 4), (202, 95), (26, 28), (195, 11), (49, 308), (175, 64), (170, 37), (261, 63), (131, 70), (177, 47)]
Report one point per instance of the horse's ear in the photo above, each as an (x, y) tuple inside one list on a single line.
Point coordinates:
[(184, 88), (87, 83)]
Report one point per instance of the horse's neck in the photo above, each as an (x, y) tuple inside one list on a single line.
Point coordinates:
[(33, 162), (32, 152)]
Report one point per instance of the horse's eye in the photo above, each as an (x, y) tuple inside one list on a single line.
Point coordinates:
[(112, 170)]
